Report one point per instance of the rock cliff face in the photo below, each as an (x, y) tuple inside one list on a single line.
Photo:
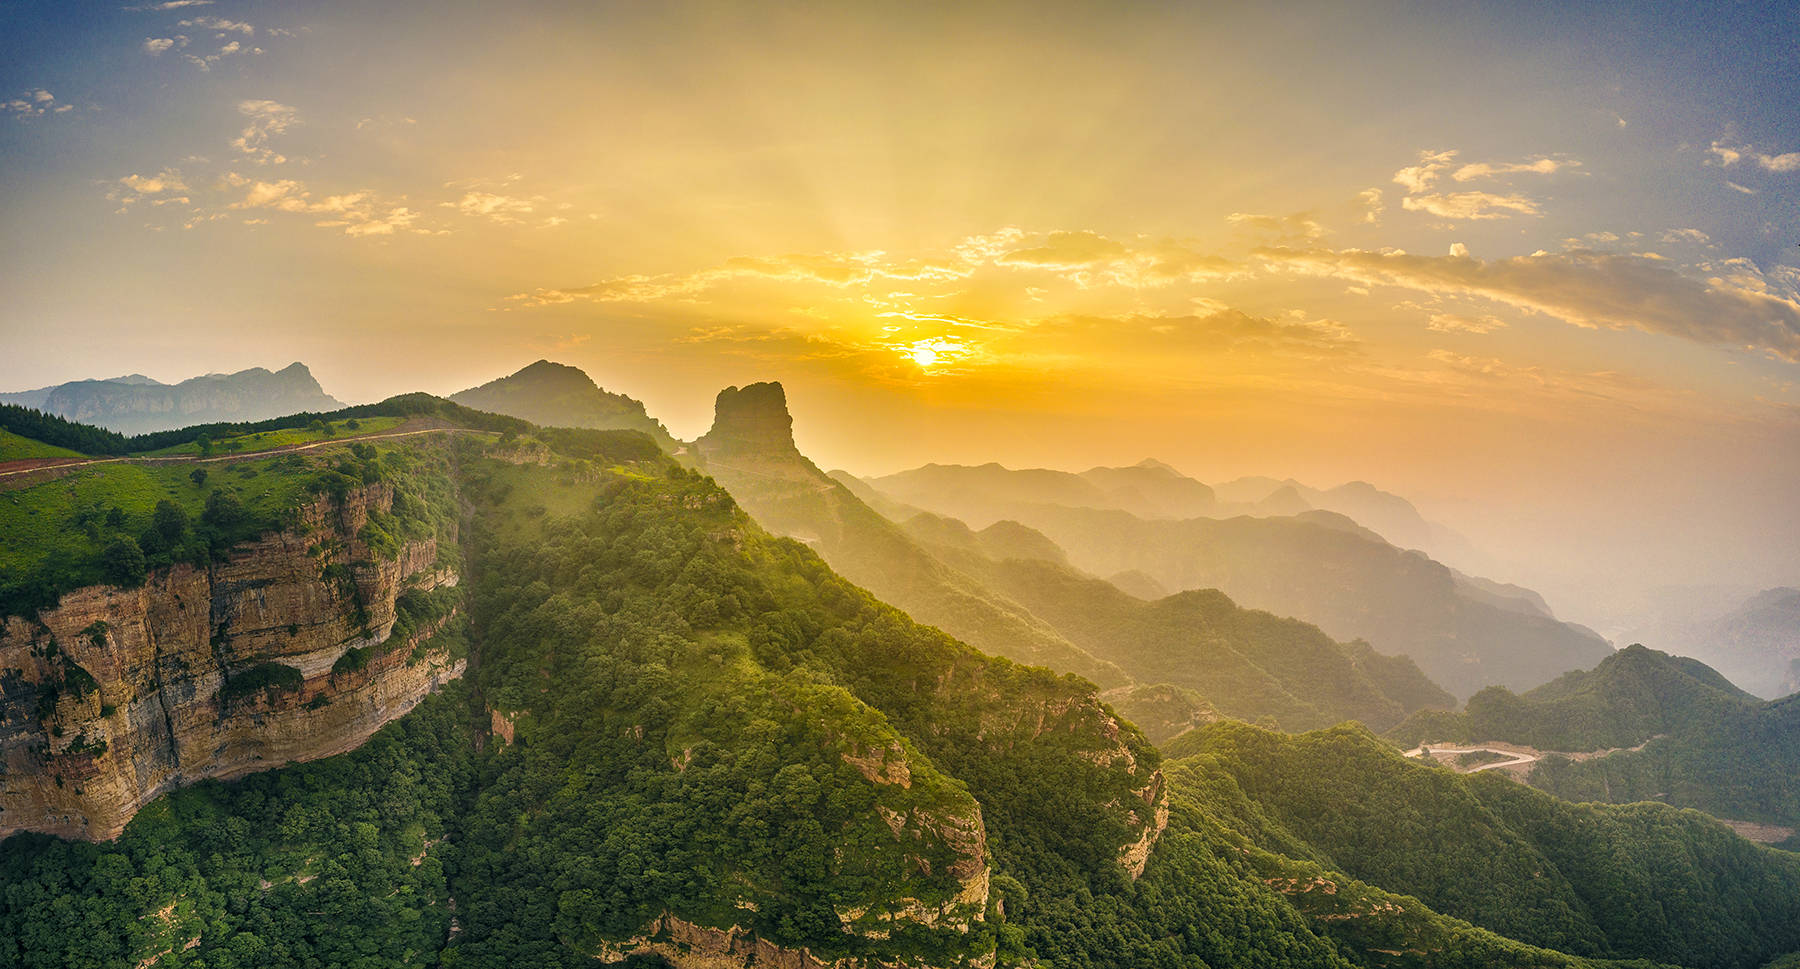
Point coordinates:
[(688, 946), (118, 695), (750, 421)]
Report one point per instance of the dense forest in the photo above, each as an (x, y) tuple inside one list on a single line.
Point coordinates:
[(1671, 728)]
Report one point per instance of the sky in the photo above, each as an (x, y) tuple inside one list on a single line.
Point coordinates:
[(1535, 266)]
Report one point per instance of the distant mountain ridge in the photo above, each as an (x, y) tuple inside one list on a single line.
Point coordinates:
[(558, 395), (136, 404), (1631, 696), (1010, 589), (1318, 566), (1655, 726)]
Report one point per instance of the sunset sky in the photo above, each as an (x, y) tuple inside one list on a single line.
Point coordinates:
[(1536, 266)]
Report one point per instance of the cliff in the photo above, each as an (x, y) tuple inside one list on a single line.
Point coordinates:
[(751, 422), (280, 653)]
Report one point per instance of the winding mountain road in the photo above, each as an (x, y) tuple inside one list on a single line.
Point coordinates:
[(1518, 758)]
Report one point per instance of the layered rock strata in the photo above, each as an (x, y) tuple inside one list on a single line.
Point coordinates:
[(118, 695)]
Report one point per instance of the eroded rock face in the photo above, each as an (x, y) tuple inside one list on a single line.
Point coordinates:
[(752, 420), (686, 945), (117, 695)]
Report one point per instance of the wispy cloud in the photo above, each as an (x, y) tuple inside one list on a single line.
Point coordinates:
[(1372, 205), (220, 24), (1302, 226), (170, 5), (1471, 205), (505, 209), (1420, 177), (267, 119), (1733, 308), (166, 187), (1082, 258), (358, 213), (1459, 323), (1537, 166), (1727, 154), (35, 103)]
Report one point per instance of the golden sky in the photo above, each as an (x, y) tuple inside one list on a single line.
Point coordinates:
[(1533, 266)]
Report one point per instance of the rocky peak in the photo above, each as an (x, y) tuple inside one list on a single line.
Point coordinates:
[(751, 419), (545, 371)]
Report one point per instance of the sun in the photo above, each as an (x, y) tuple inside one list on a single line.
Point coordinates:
[(924, 356)]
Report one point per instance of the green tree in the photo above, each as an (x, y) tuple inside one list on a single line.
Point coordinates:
[(123, 562), (198, 477), (170, 520)]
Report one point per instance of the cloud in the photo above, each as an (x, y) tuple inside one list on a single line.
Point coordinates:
[(34, 103), (395, 220), (1740, 188), (1230, 330), (267, 119), (170, 5), (158, 45), (220, 24), (1083, 258), (1729, 155), (166, 187), (1458, 323), (1737, 308), (1372, 204), (358, 213), (1539, 166), (1067, 250), (1087, 258), (1419, 177), (1686, 235), (500, 208), (167, 180), (1471, 205), (1300, 225)]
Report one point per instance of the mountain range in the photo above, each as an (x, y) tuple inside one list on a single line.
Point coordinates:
[(1754, 639), (498, 694), (1319, 566), (136, 404)]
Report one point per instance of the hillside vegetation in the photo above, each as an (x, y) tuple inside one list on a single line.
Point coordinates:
[(1676, 730), (1244, 663), (676, 723), (1640, 881)]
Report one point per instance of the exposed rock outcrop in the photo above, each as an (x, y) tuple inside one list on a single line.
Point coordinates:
[(686, 945), (753, 421), (118, 695)]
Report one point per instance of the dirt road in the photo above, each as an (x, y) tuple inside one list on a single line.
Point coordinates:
[(1518, 758), (7, 469)]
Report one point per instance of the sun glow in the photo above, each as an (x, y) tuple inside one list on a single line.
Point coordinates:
[(932, 353)]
